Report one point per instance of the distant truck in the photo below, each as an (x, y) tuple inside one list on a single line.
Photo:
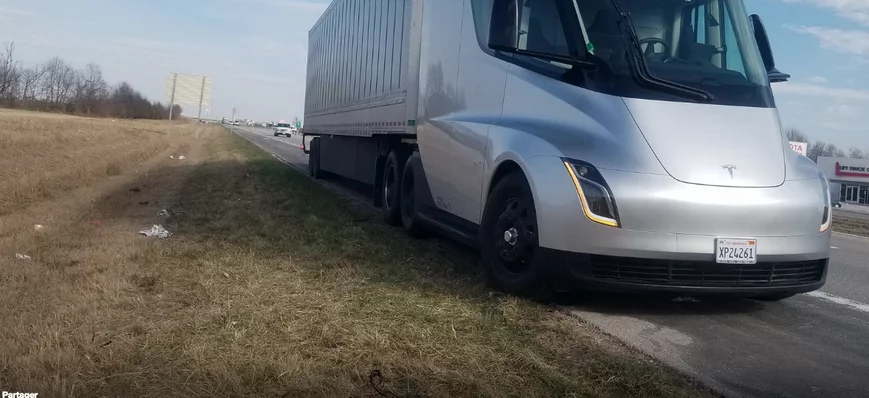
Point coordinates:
[(605, 144)]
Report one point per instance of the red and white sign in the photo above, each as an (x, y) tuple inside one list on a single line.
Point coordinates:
[(851, 171), (799, 147)]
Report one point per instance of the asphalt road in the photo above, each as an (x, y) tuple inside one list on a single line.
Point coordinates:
[(811, 345)]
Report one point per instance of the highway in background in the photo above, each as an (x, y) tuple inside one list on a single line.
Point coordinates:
[(811, 345)]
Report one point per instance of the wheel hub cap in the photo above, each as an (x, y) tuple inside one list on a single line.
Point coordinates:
[(511, 236)]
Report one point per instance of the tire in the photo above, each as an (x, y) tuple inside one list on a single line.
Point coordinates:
[(409, 219), (774, 297), (509, 243), (314, 159), (391, 190)]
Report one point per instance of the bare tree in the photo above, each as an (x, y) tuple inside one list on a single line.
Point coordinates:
[(816, 149), (90, 88), (796, 135), (29, 83), (10, 73), (856, 153), (832, 151), (57, 83), (296, 121)]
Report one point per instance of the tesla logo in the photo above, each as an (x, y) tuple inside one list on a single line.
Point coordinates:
[(730, 169)]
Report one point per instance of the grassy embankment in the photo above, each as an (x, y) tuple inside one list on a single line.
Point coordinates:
[(270, 286)]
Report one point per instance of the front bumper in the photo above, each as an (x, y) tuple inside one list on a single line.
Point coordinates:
[(668, 231), (567, 271)]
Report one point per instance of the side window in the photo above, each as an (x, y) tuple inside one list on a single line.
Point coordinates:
[(732, 55), (699, 23), (708, 38), (541, 28), (482, 10)]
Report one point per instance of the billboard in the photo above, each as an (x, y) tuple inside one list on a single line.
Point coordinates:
[(187, 90), (800, 147)]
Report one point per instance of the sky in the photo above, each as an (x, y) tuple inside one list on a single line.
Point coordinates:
[(255, 52)]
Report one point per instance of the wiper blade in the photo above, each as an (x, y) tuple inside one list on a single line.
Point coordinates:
[(641, 68)]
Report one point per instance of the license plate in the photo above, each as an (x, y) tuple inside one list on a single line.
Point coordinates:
[(736, 251)]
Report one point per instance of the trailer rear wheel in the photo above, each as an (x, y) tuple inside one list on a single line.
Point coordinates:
[(509, 242), (412, 225), (314, 159), (392, 172)]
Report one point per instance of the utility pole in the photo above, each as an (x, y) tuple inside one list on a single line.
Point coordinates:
[(233, 114), (172, 101)]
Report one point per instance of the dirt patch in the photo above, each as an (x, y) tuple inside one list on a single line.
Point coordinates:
[(271, 286)]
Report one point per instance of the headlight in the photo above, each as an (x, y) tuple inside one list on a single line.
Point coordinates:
[(827, 218), (595, 196)]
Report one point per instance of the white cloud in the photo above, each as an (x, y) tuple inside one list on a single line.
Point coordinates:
[(817, 80), (844, 111), (855, 10), (6, 11), (817, 90), (853, 42)]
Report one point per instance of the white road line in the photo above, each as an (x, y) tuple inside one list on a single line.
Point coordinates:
[(834, 248), (840, 300)]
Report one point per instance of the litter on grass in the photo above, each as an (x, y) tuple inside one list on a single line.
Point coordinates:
[(22, 256), (157, 231)]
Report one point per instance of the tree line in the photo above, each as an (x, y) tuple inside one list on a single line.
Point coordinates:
[(55, 86), (820, 148)]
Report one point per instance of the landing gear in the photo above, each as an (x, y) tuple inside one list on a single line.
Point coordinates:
[(314, 159)]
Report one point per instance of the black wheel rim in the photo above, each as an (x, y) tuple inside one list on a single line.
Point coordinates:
[(389, 186), (515, 235)]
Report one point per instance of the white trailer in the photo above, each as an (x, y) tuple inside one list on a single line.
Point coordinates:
[(363, 73)]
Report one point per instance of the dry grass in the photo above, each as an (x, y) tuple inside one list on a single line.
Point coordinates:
[(46, 155), (271, 286)]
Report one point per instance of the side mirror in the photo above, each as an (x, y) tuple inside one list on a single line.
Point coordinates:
[(504, 26), (762, 40)]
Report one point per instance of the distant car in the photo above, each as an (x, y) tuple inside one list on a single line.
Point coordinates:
[(837, 205), (284, 129)]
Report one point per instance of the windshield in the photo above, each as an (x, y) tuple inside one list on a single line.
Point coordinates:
[(283, 125), (704, 44)]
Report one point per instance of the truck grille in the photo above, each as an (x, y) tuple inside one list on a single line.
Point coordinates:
[(703, 273)]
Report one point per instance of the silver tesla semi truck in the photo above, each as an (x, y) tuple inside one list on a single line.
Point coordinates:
[(629, 145)]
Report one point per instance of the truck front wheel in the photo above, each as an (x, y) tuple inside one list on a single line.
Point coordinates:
[(509, 242)]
